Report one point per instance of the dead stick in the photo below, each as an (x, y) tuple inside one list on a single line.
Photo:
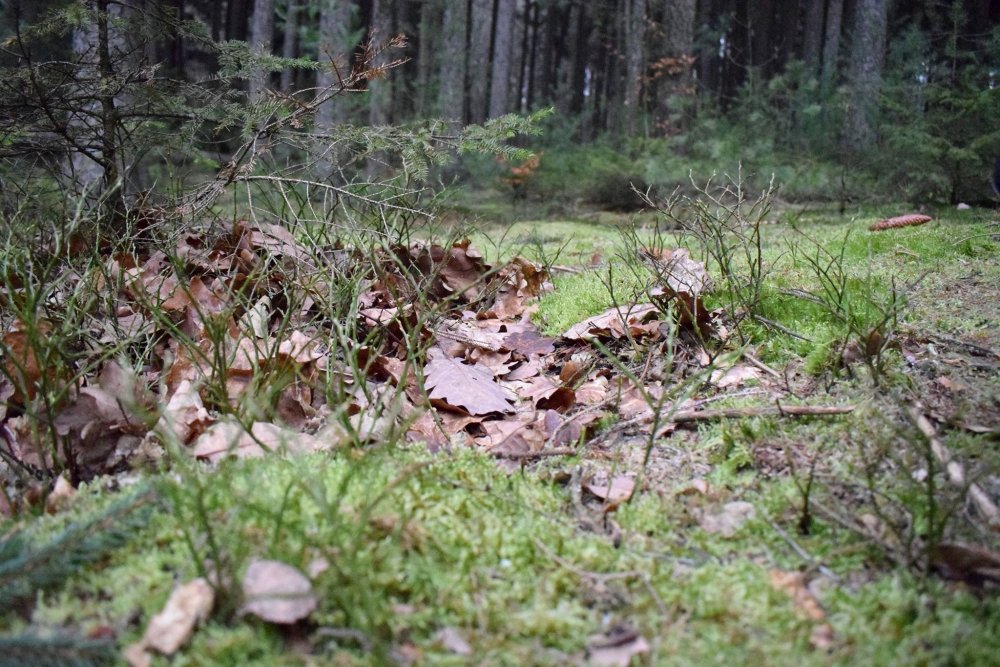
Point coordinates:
[(754, 361), (541, 454), (954, 469), (682, 416)]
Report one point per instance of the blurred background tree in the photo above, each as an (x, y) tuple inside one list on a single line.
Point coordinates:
[(888, 99)]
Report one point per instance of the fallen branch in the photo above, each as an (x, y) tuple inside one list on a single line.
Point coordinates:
[(682, 416), (760, 365), (540, 454), (956, 473)]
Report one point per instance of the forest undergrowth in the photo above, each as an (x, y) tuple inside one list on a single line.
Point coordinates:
[(723, 433)]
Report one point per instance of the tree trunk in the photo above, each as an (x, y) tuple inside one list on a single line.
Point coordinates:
[(335, 47), (812, 35), (503, 47), (95, 164), (762, 44), (673, 69), (635, 29), (428, 35), (865, 74), (237, 12), (479, 59), (261, 40), (451, 94), (380, 90), (831, 42), (289, 35)]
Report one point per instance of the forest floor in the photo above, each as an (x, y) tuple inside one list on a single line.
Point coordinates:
[(793, 466)]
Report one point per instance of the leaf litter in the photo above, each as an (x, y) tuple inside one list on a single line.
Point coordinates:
[(490, 378)]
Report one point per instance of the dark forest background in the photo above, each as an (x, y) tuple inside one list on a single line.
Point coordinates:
[(839, 99)]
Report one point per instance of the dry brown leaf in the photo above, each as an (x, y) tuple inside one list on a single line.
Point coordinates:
[(92, 406), (975, 565), (21, 361), (497, 362), (426, 430), (525, 371), (457, 270), (184, 416), (498, 432), (684, 279), (529, 343), (614, 491), (300, 348), (735, 376), (189, 605), (560, 400), (277, 593), (592, 391), (462, 386), (613, 322), (228, 438), (60, 497)]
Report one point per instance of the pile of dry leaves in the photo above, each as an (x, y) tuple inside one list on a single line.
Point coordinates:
[(234, 348)]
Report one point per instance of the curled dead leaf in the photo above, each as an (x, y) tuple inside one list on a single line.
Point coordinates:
[(189, 605), (277, 593)]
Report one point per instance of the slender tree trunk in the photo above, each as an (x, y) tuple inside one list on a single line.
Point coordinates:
[(865, 74), (335, 47), (576, 62), (380, 90), (216, 21), (113, 202), (762, 44), (481, 21), (288, 46), (831, 42), (531, 31), (430, 19), (237, 12), (451, 94), (503, 46), (812, 34), (635, 29), (261, 41), (95, 166), (677, 60)]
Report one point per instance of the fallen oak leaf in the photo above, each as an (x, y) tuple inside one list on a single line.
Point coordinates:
[(459, 385)]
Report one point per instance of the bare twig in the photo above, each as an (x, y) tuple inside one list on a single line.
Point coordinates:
[(540, 454), (782, 328), (956, 473), (768, 410), (803, 554), (757, 363)]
